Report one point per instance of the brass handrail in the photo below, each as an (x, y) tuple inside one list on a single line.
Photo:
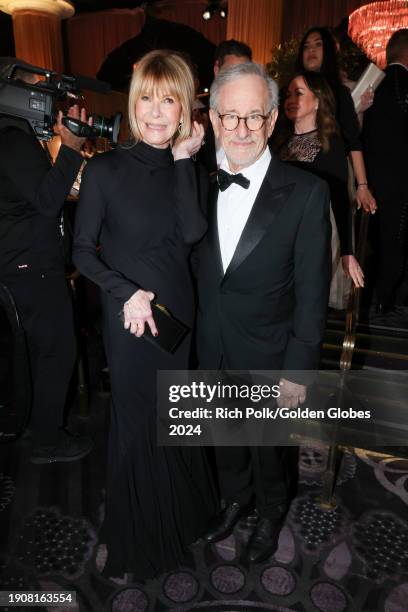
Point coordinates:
[(353, 306), (326, 499)]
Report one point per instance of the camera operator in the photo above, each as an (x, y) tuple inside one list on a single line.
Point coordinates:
[(32, 195)]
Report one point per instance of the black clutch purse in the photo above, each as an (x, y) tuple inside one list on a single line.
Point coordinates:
[(171, 331)]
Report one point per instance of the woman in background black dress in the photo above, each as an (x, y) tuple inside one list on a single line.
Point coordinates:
[(318, 53), (308, 137), (140, 204)]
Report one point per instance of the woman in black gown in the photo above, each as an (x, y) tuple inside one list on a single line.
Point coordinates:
[(308, 137), (317, 53), (140, 203)]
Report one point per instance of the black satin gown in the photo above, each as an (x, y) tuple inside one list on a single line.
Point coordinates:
[(142, 208)]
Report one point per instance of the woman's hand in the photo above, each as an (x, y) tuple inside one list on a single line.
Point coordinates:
[(352, 269), (186, 148), (367, 98), (137, 312), (363, 194), (365, 199)]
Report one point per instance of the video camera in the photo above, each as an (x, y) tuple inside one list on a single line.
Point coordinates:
[(36, 103)]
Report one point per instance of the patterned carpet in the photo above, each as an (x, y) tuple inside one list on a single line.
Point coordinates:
[(351, 558)]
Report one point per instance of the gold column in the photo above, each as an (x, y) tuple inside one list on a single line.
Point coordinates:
[(37, 30), (257, 23)]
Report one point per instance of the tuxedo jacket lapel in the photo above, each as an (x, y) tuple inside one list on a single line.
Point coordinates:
[(213, 237), (269, 201)]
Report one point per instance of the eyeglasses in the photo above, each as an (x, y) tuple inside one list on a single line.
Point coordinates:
[(230, 122)]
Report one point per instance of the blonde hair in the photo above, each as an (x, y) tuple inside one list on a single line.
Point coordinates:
[(165, 72)]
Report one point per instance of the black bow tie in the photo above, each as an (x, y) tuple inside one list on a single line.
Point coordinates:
[(225, 179)]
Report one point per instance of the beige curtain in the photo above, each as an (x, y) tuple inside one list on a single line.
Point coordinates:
[(190, 13), (256, 23), (300, 15), (92, 36), (37, 38)]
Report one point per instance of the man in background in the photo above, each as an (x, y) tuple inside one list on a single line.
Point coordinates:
[(228, 53), (385, 137)]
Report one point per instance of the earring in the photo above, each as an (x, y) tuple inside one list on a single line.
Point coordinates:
[(180, 125)]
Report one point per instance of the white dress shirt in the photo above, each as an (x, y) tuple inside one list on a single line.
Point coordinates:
[(235, 204)]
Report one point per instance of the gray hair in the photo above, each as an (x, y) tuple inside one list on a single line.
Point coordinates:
[(226, 75)]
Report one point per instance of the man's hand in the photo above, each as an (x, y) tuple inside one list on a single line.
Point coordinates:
[(137, 312), (67, 137), (186, 148), (291, 395)]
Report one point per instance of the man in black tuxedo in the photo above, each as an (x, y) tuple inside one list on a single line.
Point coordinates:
[(263, 284), (385, 133)]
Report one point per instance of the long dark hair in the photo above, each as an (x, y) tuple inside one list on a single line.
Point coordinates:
[(325, 114), (330, 65)]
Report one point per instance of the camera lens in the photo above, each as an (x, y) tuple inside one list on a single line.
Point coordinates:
[(107, 128)]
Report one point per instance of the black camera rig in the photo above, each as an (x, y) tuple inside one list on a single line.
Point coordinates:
[(36, 102)]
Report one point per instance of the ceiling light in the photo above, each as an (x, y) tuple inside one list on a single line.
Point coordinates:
[(210, 10), (371, 26)]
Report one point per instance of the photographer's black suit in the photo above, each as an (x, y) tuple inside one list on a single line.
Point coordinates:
[(32, 194), (268, 310)]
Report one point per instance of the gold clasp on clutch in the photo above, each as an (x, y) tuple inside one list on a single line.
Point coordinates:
[(162, 308)]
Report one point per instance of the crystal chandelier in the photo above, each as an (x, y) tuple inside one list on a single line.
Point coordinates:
[(371, 26)]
